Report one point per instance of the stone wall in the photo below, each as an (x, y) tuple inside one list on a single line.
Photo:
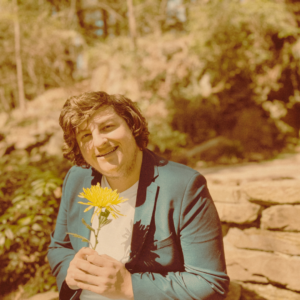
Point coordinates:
[(259, 206)]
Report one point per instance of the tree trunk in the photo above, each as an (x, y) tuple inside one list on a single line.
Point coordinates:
[(132, 24), (72, 13), (5, 104), (22, 103), (105, 26)]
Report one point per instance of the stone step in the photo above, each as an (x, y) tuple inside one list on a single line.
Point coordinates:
[(262, 267), (243, 213), (281, 217), (265, 240)]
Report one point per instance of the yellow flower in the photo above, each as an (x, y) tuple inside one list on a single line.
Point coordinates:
[(102, 198)]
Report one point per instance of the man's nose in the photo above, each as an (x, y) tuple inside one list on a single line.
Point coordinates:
[(99, 139)]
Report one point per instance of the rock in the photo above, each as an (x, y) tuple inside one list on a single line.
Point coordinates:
[(238, 272), (109, 77), (47, 126), (99, 80), (25, 141), (262, 267), (244, 213), (3, 119), (266, 292), (45, 296), (281, 217), (227, 194), (279, 169), (235, 291), (265, 240), (54, 146), (6, 148), (210, 149), (274, 192), (29, 142), (50, 99)]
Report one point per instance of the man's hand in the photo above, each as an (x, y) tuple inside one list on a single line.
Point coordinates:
[(74, 270), (100, 274)]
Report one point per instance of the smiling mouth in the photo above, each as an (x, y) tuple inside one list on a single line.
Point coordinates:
[(114, 149)]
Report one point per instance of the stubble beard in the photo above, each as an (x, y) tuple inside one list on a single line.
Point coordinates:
[(127, 169)]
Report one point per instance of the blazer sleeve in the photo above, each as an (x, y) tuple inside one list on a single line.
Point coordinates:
[(204, 276), (60, 250)]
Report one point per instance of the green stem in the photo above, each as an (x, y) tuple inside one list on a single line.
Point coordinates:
[(99, 227), (96, 234)]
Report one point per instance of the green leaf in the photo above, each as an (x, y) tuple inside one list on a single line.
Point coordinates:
[(25, 221), (7, 243), (105, 213), (38, 182), (37, 227), (18, 198), (79, 236), (9, 233), (104, 222), (87, 225), (101, 219), (23, 230), (2, 240), (107, 222)]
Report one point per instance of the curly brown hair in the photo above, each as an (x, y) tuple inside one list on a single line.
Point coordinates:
[(79, 108)]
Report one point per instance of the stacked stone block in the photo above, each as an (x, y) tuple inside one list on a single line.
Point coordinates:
[(260, 217)]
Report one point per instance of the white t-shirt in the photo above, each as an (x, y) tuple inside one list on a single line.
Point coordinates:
[(115, 238)]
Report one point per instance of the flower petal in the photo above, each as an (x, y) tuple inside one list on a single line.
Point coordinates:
[(88, 208)]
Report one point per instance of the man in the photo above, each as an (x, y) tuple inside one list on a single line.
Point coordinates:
[(169, 243)]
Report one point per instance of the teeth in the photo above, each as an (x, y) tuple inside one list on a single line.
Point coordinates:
[(107, 152)]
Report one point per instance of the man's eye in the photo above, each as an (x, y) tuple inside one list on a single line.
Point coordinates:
[(85, 136), (108, 127)]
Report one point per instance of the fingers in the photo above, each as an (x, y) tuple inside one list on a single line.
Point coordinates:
[(75, 269), (101, 274), (71, 278), (89, 267), (101, 290), (102, 260), (88, 262), (84, 252), (104, 281)]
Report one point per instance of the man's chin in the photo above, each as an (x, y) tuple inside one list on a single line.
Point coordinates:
[(108, 171)]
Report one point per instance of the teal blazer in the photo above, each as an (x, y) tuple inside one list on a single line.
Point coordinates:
[(177, 247)]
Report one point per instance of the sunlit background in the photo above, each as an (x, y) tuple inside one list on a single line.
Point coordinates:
[(218, 81)]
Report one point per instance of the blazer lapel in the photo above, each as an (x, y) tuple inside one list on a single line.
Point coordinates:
[(145, 203)]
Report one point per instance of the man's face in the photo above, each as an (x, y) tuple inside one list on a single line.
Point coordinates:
[(107, 144)]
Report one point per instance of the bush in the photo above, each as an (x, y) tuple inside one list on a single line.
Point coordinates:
[(30, 196), (221, 78)]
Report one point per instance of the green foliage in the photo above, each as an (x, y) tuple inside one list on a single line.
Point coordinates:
[(245, 41), (30, 199), (163, 137), (215, 80), (231, 71), (48, 51)]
